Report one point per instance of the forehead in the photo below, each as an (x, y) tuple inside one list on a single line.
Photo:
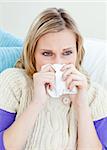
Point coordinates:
[(62, 39)]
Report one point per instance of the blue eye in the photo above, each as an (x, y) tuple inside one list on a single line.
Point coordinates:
[(47, 54), (68, 53)]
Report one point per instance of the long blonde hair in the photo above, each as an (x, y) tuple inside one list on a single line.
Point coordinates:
[(49, 21)]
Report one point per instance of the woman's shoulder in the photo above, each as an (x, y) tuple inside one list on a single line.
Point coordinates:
[(97, 97), (15, 77), (14, 74), (96, 90), (13, 83)]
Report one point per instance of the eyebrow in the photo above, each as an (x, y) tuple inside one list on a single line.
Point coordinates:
[(49, 50), (68, 48)]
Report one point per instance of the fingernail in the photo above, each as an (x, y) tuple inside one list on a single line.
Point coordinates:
[(53, 85), (62, 69), (68, 87)]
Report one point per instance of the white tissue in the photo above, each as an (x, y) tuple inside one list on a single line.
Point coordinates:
[(60, 86)]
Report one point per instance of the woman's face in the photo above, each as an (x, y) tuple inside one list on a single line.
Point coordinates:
[(56, 48)]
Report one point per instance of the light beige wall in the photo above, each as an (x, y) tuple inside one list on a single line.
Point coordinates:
[(90, 16)]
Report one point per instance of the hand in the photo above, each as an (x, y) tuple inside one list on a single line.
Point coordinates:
[(73, 77), (43, 78)]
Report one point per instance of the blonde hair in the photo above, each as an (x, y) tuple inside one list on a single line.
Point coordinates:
[(49, 21)]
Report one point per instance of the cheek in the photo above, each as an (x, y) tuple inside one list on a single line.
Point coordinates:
[(39, 62), (38, 66), (75, 58), (72, 60)]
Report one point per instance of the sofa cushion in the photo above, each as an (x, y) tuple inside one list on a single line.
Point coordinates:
[(8, 40), (9, 56)]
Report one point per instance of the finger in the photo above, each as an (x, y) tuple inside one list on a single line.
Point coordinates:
[(47, 68), (48, 76), (49, 86), (72, 78), (43, 78), (67, 73), (67, 66), (79, 84), (42, 74), (70, 70), (49, 83)]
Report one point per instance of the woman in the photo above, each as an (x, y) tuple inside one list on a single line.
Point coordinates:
[(33, 120)]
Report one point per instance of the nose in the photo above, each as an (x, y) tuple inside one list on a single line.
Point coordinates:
[(58, 60)]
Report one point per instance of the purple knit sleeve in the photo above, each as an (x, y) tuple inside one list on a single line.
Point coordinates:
[(6, 119), (101, 129)]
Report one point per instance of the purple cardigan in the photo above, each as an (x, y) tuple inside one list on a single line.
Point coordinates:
[(7, 118)]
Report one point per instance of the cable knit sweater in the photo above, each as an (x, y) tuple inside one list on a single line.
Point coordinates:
[(56, 125)]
